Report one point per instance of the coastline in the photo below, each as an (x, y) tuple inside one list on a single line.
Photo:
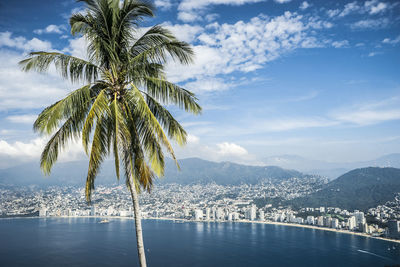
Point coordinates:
[(212, 221)]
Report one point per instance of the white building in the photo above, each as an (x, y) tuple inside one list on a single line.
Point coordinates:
[(43, 212), (335, 223), (261, 215), (198, 215), (219, 214), (352, 223), (207, 214), (310, 220), (250, 214)]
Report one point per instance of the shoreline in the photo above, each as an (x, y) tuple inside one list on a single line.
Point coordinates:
[(212, 221)]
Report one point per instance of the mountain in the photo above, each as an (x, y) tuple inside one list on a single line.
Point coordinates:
[(193, 170), (331, 170), (358, 189)]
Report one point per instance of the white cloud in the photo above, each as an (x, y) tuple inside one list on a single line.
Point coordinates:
[(51, 29), (370, 113), (19, 90), (367, 117), (282, 1), (371, 24), (77, 47), (304, 5), (192, 10), (340, 44), (349, 8), (192, 139), (163, 4), (31, 150), (26, 119), (332, 12), (231, 149), (185, 32), (244, 47), (207, 85), (21, 43), (375, 7), (372, 54), (391, 41)]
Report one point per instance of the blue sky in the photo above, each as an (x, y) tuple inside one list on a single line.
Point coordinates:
[(319, 79)]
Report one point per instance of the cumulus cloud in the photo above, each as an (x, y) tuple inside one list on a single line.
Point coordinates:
[(27, 151), (163, 4), (192, 139), (185, 32), (340, 44), (304, 5), (371, 24), (231, 149), (391, 41), (192, 10), (245, 47), (51, 29), (21, 43), (29, 90), (375, 7)]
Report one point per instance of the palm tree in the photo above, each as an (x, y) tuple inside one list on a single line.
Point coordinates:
[(121, 110)]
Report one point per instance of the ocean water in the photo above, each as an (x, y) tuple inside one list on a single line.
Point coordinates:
[(85, 242)]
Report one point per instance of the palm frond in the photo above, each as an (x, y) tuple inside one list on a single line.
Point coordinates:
[(51, 117), (168, 92), (72, 68)]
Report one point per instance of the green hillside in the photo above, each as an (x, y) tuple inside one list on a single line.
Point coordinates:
[(358, 189)]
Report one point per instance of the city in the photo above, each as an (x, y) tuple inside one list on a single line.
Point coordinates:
[(209, 202)]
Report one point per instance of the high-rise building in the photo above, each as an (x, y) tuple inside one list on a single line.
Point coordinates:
[(351, 222), (320, 221), (393, 229), (327, 221), (310, 220), (261, 215), (219, 214), (251, 213), (198, 215), (207, 214), (335, 223), (42, 212), (322, 209)]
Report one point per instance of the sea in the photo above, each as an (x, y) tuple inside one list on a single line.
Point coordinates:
[(87, 242)]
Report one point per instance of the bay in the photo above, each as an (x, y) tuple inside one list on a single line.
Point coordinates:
[(86, 242)]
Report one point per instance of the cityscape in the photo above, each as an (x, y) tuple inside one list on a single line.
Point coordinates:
[(207, 203)]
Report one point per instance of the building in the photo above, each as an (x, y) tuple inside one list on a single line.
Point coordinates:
[(310, 220), (250, 214), (198, 215), (207, 218), (43, 212), (219, 214), (261, 215), (351, 223), (327, 221), (320, 221), (335, 223), (393, 229)]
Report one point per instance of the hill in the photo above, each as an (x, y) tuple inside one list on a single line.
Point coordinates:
[(331, 170), (193, 170), (358, 189)]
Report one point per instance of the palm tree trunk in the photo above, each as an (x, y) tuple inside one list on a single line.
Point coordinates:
[(138, 224)]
